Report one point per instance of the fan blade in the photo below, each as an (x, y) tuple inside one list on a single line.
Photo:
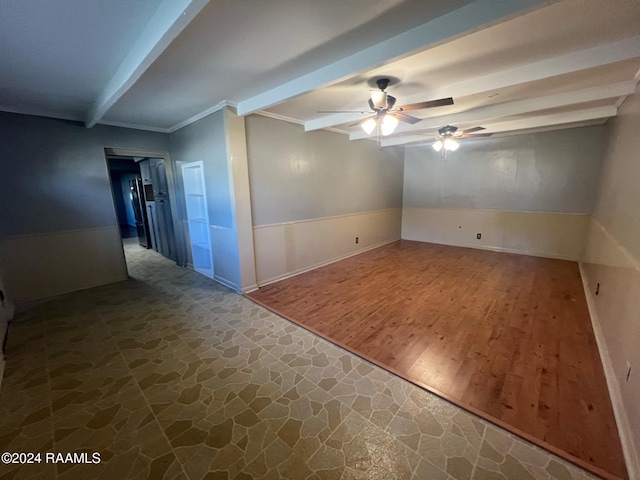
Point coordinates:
[(406, 118), (471, 130), (477, 135), (430, 104)]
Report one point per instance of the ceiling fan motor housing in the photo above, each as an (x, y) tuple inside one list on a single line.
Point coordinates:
[(447, 131), (382, 83)]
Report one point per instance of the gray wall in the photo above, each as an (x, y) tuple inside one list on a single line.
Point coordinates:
[(54, 176), (542, 172), (298, 175), (58, 228), (206, 141)]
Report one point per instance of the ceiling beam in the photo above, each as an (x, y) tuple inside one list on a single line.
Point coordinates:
[(479, 115), (522, 124), (568, 63), (455, 23), (171, 17)]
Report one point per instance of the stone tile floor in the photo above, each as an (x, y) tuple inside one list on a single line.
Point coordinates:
[(170, 375)]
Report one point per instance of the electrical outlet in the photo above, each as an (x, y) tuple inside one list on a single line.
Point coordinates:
[(628, 371), (357, 240), (597, 289), (478, 236)]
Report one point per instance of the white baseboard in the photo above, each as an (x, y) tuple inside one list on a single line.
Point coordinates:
[(622, 420), (250, 288), (227, 283), (499, 249)]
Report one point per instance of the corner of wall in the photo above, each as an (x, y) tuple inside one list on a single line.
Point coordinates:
[(600, 254), (236, 138)]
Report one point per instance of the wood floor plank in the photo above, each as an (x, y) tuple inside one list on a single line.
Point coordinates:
[(508, 336)]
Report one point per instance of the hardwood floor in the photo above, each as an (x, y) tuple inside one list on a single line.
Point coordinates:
[(506, 336)]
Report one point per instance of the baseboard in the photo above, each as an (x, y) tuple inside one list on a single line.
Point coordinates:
[(501, 250), (227, 283), (622, 420), (284, 276), (250, 288), (24, 306)]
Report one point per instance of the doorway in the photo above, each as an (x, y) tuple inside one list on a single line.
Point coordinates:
[(142, 185)]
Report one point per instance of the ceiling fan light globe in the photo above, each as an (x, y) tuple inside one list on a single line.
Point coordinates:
[(389, 124), (437, 145), (450, 144), (368, 125), (379, 99)]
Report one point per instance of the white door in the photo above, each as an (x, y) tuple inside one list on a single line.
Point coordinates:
[(198, 217)]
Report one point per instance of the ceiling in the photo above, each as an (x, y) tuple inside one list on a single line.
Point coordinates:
[(511, 67)]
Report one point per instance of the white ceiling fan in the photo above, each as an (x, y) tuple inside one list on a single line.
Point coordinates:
[(446, 141), (384, 114)]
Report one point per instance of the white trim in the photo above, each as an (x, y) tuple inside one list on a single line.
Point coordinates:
[(495, 210), (136, 152), (306, 220), (35, 112), (250, 288), (133, 126), (620, 413), (57, 232), (322, 264), (205, 113), (276, 116), (284, 118), (227, 283)]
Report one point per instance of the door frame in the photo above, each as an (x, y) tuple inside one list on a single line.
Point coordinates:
[(178, 230)]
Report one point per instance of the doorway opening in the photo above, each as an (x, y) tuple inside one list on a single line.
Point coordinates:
[(145, 204)]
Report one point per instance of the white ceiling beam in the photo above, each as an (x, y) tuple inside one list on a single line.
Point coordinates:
[(568, 63), (522, 124), (600, 55), (455, 23), (482, 114), (171, 17)]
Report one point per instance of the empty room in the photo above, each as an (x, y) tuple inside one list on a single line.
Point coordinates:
[(246, 239)]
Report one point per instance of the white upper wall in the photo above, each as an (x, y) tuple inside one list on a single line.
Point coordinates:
[(298, 175), (541, 172)]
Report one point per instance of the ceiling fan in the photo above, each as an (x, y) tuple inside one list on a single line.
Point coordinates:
[(384, 114), (447, 135)]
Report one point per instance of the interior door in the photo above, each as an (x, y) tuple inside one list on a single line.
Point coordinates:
[(198, 218)]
